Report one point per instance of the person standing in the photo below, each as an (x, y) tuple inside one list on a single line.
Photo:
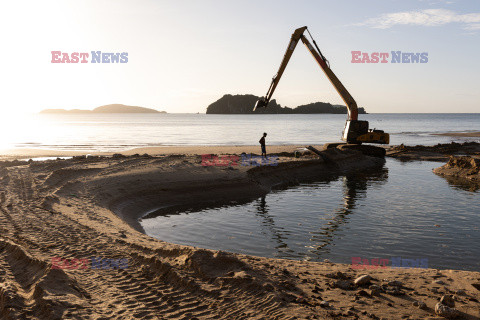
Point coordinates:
[(262, 144)]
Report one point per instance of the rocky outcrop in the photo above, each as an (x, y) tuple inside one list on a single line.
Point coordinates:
[(243, 104), (109, 108)]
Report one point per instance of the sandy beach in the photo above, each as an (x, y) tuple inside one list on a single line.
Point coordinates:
[(71, 246)]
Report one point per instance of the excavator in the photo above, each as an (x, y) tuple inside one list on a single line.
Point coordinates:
[(356, 131)]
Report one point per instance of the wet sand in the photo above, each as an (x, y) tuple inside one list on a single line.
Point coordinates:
[(58, 217), (459, 134)]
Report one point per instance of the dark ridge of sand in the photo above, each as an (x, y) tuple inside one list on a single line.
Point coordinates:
[(439, 152)]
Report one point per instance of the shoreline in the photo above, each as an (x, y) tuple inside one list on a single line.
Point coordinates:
[(15, 153), (26, 153)]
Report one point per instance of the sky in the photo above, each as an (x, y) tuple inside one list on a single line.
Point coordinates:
[(184, 55)]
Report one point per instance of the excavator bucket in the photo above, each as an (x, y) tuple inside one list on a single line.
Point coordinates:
[(260, 104)]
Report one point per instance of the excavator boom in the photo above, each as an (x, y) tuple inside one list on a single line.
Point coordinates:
[(355, 131), (347, 98)]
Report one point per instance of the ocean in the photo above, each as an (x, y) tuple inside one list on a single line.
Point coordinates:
[(117, 132)]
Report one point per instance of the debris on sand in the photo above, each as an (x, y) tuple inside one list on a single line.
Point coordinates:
[(363, 280), (446, 312), (448, 300), (420, 304)]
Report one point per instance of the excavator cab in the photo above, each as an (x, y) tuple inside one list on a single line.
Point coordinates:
[(356, 131)]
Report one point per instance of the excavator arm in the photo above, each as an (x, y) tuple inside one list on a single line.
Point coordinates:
[(263, 101), (355, 131), (296, 36)]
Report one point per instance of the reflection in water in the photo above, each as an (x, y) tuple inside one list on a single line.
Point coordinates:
[(277, 234), (354, 187)]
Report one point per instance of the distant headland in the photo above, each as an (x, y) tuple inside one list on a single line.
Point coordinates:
[(243, 104), (110, 108)]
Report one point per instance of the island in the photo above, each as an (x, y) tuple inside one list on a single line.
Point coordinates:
[(243, 104), (110, 108)]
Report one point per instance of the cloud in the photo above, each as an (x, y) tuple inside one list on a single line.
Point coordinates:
[(473, 26), (437, 2), (428, 17)]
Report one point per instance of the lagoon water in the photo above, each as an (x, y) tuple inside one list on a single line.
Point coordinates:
[(403, 210), (116, 132)]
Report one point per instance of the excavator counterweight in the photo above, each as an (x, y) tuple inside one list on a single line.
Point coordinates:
[(356, 131)]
